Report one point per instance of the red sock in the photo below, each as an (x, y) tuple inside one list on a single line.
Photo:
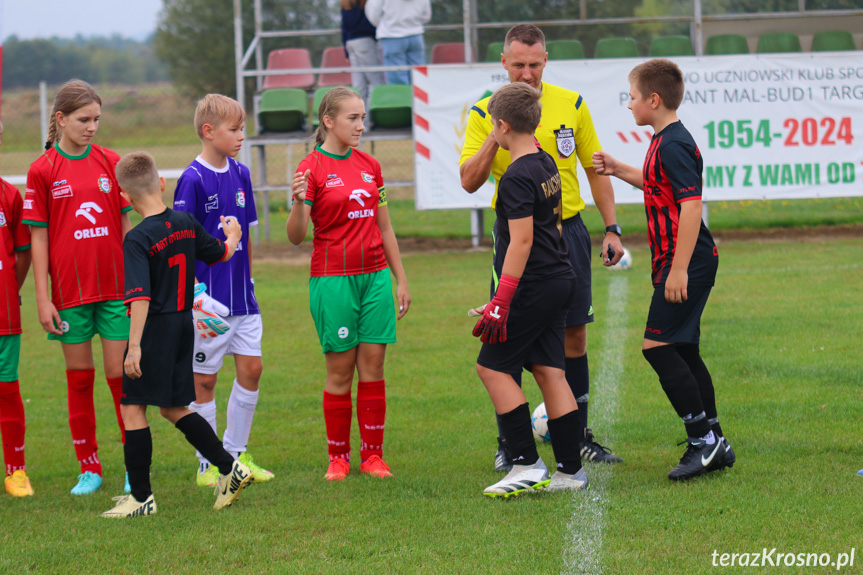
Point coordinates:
[(116, 386), (337, 416), (371, 413), (82, 418), (12, 426)]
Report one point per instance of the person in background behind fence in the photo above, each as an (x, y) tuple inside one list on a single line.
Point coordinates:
[(361, 48), (400, 31), (78, 220)]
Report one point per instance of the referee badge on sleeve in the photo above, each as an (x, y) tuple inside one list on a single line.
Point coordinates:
[(565, 141)]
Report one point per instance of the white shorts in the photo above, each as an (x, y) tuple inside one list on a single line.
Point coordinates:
[(244, 338)]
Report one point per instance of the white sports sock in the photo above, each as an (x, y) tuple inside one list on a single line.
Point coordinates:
[(241, 411), (208, 412)]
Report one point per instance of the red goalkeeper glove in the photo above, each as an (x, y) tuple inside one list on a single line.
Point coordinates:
[(491, 328)]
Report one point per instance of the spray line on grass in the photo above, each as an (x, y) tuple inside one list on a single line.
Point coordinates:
[(583, 549)]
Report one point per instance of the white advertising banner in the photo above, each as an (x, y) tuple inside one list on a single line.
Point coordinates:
[(768, 126)]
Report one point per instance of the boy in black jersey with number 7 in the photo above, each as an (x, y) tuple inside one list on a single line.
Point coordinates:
[(684, 262), (523, 325), (159, 258)]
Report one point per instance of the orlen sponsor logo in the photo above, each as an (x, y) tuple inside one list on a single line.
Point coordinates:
[(361, 214), (84, 211)]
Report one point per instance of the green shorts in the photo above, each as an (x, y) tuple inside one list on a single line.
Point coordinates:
[(82, 322), (351, 309), (10, 349)]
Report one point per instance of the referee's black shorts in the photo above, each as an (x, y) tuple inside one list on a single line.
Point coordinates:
[(577, 238), (534, 329), (676, 322), (166, 363)]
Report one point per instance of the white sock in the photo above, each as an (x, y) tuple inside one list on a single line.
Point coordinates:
[(241, 411), (208, 412)]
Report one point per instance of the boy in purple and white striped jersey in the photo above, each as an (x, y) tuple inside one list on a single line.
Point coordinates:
[(214, 185)]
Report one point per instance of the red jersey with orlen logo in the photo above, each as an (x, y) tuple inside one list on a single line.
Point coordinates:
[(14, 237), (78, 199), (345, 193)]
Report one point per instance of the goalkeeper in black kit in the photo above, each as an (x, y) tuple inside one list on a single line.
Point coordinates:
[(523, 325)]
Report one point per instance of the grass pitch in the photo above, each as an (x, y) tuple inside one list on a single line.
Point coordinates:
[(780, 334)]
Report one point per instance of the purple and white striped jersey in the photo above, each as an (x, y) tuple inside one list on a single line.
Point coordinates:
[(207, 193)]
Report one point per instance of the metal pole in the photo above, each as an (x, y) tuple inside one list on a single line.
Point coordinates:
[(238, 52), (697, 30), (476, 225), (259, 49), (44, 113)]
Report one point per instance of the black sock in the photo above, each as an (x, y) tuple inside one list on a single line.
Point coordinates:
[(566, 432), (519, 435), (691, 355), (202, 437), (578, 378), (517, 378), (680, 386), (138, 453)]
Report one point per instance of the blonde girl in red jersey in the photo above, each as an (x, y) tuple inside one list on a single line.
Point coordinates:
[(78, 221), (340, 188)]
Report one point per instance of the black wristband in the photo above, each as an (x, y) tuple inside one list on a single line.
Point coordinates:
[(615, 229)]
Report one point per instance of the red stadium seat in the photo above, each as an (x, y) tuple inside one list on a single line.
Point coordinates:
[(287, 59), (334, 58), (448, 53)]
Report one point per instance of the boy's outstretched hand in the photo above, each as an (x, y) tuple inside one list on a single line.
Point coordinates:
[(604, 163)]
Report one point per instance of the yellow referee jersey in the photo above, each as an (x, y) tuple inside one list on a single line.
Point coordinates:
[(565, 131)]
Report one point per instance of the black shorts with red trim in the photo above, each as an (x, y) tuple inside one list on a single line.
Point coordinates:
[(166, 378), (676, 322), (534, 328)]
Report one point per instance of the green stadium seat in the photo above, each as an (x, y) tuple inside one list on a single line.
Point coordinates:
[(722, 44), (390, 106), (833, 41), (778, 43), (316, 101), (664, 46), (493, 52), (283, 110), (616, 48), (564, 50)]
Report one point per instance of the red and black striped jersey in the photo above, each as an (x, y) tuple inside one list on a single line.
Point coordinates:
[(672, 175)]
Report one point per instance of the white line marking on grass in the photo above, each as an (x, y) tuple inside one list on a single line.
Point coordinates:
[(583, 554)]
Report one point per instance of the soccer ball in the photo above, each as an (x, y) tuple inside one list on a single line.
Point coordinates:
[(539, 423), (625, 262)]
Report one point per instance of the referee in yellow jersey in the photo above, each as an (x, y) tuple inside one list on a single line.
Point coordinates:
[(566, 132)]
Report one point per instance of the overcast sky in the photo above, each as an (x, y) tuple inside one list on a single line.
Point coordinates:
[(45, 18)]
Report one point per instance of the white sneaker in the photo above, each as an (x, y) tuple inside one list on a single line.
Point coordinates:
[(561, 481), (522, 478), (228, 487), (128, 506)]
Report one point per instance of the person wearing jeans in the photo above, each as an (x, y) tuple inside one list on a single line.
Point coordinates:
[(361, 48), (400, 32)]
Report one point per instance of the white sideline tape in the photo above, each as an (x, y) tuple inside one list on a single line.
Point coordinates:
[(583, 552)]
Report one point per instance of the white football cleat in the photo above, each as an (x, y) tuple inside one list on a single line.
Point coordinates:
[(561, 481), (522, 478)]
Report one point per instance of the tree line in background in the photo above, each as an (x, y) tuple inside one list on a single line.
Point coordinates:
[(193, 45), (103, 60)]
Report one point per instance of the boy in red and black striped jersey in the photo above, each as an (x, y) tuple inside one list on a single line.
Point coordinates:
[(159, 256), (14, 265), (684, 261)]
